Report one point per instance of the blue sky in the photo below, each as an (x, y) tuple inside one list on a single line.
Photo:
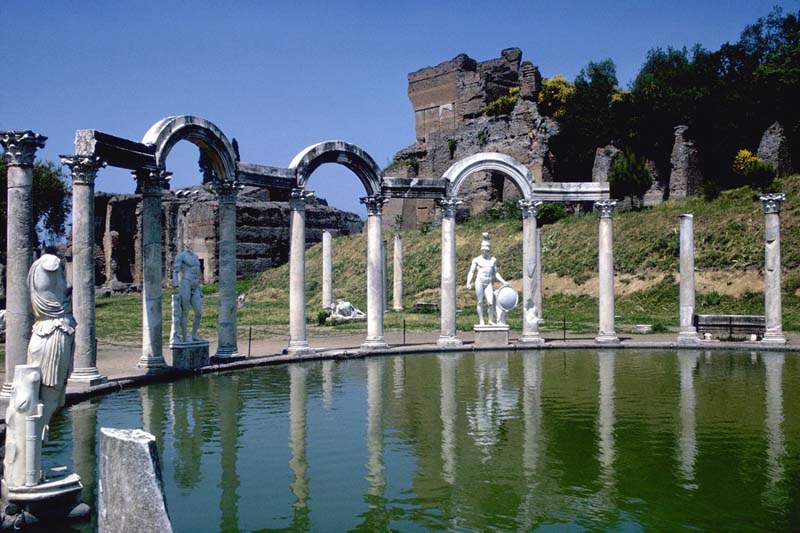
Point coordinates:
[(280, 76)]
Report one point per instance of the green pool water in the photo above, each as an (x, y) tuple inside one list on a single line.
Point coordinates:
[(540, 440)]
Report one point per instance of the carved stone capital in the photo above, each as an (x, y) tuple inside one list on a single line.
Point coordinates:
[(20, 147), (226, 191), (449, 206), (529, 208), (83, 167), (605, 208), (772, 202), (298, 199), (374, 204), (151, 181)]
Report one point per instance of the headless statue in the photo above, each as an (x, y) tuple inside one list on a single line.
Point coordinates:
[(484, 267), (186, 279)]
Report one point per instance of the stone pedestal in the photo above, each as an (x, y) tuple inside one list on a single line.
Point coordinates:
[(188, 355), (773, 314), (20, 150), (605, 254), (448, 336), (376, 294), (687, 333), (50, 502), (495, 336)]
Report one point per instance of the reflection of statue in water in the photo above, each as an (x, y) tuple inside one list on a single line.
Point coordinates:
[(186, 278), (486, 267)]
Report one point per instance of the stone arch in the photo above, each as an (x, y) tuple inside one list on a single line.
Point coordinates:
[(167, 132), (513, 169), (343, 153)]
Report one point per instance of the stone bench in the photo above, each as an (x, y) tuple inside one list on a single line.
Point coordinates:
[(730, 324)]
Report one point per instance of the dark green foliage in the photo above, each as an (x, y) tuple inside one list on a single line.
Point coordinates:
[(411, 163), (451, 145), (51, 203), (425, 228), (503, 105), (629, 176), (551, 212)]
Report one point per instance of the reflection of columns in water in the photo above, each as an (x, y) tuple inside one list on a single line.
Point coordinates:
[(687, 444), (230, 408), (776, 448), (154, 414), (327, 384), (375, 474), (532, 409), (297, 441), (84, 447), (605, 415), (448, 413), (399, 378), (495, 400)]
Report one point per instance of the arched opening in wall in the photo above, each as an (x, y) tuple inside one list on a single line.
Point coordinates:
[(486, 191)]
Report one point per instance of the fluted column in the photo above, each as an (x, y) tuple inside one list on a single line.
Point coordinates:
[(397, 274), (298, 341), (20, 151), (375, 284), (327, 269), (449, 335), (605, 254), (150, 184), (772, 268), (84, 172), (687, 333), (531, 314), (227, 345)]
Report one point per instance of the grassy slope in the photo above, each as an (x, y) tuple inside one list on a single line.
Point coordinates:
[(728, 236)]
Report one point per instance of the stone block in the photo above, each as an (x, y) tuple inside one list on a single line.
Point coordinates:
[(130, 490), (188, 355), (491, 336)]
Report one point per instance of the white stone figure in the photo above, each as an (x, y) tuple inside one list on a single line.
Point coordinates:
[(186, 279), (485, 269), (51, 342), (22, 462), (344, 310)]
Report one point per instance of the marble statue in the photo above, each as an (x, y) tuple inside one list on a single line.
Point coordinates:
[(186, 279), (344, 311), (484, 268)]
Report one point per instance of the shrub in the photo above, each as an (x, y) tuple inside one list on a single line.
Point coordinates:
[(425, 228), (504, 105), (748, 169), (451, 145), (550, 213), (629, 176), (556, 93)]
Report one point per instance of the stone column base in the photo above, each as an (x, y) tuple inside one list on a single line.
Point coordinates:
[(445, 341), (86, 377), (299, 348), (374, 344), (188, 355), (607, 338), (495, 336), (151, 362), (773, 338), (531, 338), (688, 337)]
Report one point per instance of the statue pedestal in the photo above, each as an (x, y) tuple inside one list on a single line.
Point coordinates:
[(54, 500), (188, 355), (495, 336)]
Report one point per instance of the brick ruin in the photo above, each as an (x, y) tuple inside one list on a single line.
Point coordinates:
[(262, 232)]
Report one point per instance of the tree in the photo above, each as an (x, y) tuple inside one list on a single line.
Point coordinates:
[(51, 203), (556, 93), (629, 177)]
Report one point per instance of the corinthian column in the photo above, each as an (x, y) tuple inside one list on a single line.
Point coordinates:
[(605, 254), (20, 150), (375, 285), (449, 335), (397, 273), (531, 313), (227, 347), (298, 342), (772, 268), (150, 184), (84, 171), (687, 333)]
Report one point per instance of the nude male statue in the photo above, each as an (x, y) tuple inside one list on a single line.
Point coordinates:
[(186, 278), (486, 267)]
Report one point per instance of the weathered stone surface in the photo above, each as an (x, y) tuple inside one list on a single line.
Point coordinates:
[(604, 159), (685, 178), (774, 149), (130, 489), (188, 355)]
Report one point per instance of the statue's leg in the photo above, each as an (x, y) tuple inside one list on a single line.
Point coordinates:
[(489, 292), (52, 400), (197, 305), (479, 298), (186, 303)]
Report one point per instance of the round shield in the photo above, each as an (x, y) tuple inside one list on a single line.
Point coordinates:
[(506, 298)]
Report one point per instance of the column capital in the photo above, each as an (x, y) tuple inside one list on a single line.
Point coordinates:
[(83, 167), (449, 206), (298, 199), (20, 147), (605, 208), (226, 190), (151, 181), (374, 204), (529, 208), (772, 202)]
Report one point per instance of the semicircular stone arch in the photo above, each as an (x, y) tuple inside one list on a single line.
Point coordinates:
[(490, 161), (343, 153), (167, 132)]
